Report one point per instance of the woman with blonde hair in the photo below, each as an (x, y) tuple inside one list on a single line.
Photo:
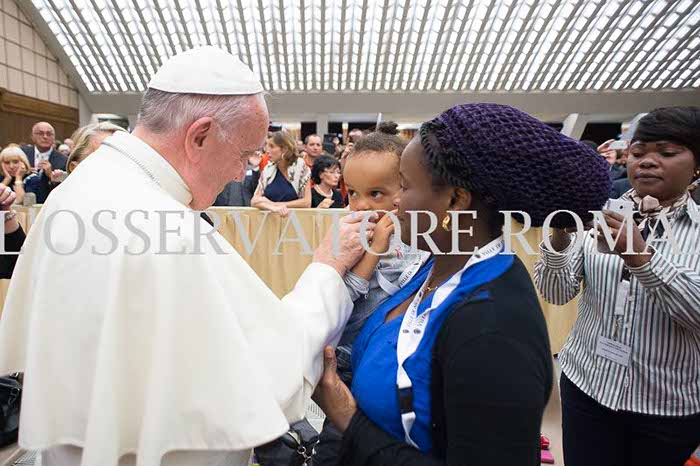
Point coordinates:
[(284, 183), (87, 140), (17, 171)]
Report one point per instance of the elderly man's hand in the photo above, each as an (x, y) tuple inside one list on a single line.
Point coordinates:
[(332, 395), (343, 252)]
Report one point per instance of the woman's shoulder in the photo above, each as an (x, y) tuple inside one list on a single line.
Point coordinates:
[(300, 164), (506, 306)]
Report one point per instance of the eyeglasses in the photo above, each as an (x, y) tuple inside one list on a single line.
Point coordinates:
[(47, 134)]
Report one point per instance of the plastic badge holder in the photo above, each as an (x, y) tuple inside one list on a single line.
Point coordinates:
[(29, 199)]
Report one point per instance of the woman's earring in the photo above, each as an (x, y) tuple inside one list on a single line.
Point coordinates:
[(697, 173), (446, 222)]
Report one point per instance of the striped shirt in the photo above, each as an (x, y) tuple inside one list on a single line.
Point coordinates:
[(661, 321)]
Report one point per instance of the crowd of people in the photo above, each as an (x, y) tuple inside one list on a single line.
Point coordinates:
[(292, 166), (427, 359)]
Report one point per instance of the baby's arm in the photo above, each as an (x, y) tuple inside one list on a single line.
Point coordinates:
[(358, 278)]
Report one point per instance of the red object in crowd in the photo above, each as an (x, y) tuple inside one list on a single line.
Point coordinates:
[(263, 161), (694, 459), (546, 457)]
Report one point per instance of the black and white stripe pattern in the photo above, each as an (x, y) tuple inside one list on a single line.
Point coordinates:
[(661, 323)]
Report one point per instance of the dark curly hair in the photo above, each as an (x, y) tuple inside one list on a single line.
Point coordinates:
[(383, 139), (322, 163), (449, 168), (511, 161)]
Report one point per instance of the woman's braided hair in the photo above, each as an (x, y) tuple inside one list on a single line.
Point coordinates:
[(446, 165), (512, 161)]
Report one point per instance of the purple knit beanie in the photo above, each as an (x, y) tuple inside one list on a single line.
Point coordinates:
[(515, 162)]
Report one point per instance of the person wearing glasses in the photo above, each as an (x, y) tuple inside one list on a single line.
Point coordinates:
[(44, 158), (326, 174), (630, 384)]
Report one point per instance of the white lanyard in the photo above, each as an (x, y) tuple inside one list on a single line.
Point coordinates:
[(405, 277), (413, 328)]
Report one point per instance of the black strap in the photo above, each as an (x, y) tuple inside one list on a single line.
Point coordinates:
[(207, 219)]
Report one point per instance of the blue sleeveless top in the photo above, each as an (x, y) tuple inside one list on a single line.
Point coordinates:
[(280, 190), (374, 357)]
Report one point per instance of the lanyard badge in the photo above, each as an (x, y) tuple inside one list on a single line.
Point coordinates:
[(413, 328)]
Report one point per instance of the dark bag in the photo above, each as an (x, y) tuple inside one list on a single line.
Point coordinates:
[(295, 448), (10, 399)]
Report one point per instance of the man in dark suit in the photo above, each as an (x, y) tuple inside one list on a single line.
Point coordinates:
[(44, 158)]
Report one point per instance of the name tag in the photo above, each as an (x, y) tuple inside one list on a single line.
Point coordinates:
[(614, 351)]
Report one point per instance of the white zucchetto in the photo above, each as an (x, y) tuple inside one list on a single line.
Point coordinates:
[(206, 70)]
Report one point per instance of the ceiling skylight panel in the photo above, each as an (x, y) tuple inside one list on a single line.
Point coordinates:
[(388, 45), (495, 63), (68, 41), (434, 29), (488, 18), (455, 44)]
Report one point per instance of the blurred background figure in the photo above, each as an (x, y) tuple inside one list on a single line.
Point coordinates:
[(64, 149), (326, 175), (285, 182), (612, 156), (44, 159), (70, 143), (314, 148), (88, 139), (240, 193), (17, 173)]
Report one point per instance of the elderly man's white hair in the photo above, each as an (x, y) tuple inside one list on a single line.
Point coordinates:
[(164, 112)]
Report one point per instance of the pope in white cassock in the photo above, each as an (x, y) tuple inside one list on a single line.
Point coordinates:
[(144, 341)]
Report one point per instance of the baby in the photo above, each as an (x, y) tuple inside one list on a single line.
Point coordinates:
[(371, 175)]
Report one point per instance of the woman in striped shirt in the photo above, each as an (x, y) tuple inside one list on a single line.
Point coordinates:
[(630, 385)]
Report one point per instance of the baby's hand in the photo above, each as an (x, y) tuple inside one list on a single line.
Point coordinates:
[(382, 234)]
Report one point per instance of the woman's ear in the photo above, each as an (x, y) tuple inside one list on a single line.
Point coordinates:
[(461, 199)]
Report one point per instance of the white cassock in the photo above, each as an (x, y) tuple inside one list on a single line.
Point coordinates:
[(188, 358)]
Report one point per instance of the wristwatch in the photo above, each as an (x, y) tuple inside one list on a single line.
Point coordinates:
[(10, 215)]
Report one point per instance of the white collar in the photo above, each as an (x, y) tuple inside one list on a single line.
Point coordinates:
[(38, 152), (151, 162)]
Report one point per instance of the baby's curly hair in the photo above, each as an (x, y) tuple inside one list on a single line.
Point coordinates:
[(384, 139)]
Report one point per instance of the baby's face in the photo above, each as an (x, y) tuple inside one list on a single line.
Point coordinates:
[(372, 181)]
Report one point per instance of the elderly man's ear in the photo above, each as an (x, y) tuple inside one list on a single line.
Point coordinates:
[(198, 134)]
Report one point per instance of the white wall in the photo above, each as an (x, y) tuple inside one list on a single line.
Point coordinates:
[(27, 67)]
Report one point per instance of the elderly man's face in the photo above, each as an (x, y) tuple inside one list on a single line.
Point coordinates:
[(245, 140), (43, 136)]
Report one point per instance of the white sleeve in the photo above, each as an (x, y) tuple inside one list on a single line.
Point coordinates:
[(321, 305)]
